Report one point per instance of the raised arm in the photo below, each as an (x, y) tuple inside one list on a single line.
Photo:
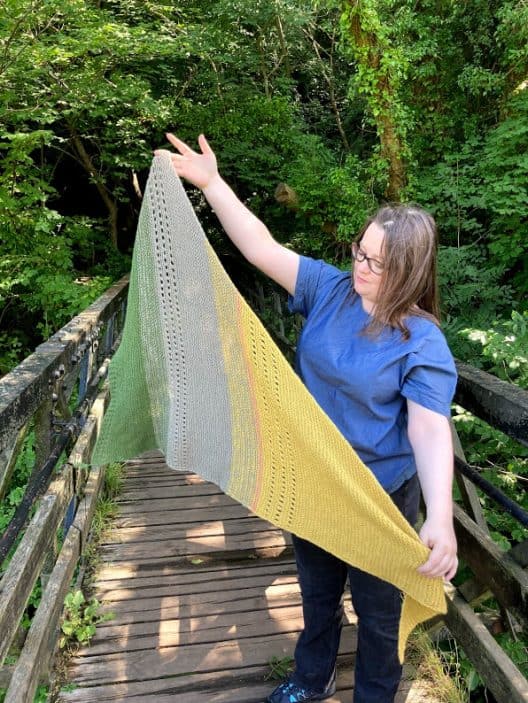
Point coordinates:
[(430, 437), (245, 230)]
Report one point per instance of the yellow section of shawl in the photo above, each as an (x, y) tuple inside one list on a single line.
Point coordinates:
[(313, 484)]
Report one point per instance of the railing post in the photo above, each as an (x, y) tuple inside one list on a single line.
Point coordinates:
[(43, 434), (8, 459), (468, 492)]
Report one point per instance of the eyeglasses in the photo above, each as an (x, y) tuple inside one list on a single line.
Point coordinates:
[(374, 265)]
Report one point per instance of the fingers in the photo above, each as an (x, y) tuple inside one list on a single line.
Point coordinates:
[(204, 145), (440, 563), (182, 147)]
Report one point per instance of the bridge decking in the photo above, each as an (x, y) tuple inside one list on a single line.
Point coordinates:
[(204, 595)]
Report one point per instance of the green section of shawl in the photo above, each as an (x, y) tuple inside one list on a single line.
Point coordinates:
[(134, 421)]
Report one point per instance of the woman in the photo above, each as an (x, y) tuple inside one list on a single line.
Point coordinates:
[(372, 355)]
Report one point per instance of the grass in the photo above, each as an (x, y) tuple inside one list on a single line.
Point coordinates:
[(104, 514), (445, 681)]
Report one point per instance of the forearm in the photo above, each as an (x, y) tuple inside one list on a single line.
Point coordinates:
[(433, 453), (430, 437), (245, 230), (251, 236)]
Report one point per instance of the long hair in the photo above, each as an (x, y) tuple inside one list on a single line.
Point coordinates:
[(408, 284)]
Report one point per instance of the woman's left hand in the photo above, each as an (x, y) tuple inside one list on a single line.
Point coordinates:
[(441, 540)]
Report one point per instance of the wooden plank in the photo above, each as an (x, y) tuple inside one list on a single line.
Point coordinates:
[(175, 517), (189, 604), (169, 611), (150, 493), (240, 686), (85, 443), (40, 642), (112, 572), (205, 622), (221, 544), (207, 527), (139, 507), (196, 586), (6, 672), (167, 603), (492, 565), (174, 480), (155, 564), (149, 664), (495, 668), (202, 626), (19, 578), (502, 405), (203, 579), (169, 633), (36, 652), (179, 686)]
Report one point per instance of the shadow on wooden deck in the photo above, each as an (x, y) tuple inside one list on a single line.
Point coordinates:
[(204, 594)]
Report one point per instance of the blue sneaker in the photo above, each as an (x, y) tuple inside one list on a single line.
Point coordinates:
[(290, 692)]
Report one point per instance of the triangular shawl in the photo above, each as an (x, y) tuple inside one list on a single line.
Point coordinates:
[(198, 377)]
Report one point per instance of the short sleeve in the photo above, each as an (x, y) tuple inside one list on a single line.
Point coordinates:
[(430, 375), (314, 278)]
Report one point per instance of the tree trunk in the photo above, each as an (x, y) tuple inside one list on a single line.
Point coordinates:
[(106, 196), (382, 95)]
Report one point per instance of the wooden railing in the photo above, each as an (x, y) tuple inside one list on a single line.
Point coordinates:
[(58, 394), (496, 572)]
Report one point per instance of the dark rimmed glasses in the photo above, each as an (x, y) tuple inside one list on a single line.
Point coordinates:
[(374, 265)]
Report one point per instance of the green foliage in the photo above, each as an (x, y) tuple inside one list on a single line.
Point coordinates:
[(334, 200), (460, 667), (23, 468), (113, 480), (279, 667), (80, 619), (504, 169), (41, 694), (503, 347), (472, 294), (517, 650)]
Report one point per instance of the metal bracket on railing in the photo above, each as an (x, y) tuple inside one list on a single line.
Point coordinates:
[(60, 412), (86, 353)]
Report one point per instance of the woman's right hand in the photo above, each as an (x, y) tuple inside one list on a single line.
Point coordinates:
[(200, 169)]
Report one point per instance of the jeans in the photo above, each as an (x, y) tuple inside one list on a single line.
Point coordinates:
[(377, 604)]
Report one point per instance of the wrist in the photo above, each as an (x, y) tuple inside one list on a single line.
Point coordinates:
[(212, 184)]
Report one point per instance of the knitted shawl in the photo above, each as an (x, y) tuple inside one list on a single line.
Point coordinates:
[(198, 377)]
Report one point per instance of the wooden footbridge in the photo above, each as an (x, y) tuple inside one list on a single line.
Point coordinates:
[(204, 595)]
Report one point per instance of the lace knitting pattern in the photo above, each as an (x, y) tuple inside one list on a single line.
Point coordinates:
[(198, 377)]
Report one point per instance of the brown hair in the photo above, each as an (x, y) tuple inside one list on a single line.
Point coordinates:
[(408, 284)]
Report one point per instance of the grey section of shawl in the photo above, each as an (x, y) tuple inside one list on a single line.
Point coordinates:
[(199, 422)]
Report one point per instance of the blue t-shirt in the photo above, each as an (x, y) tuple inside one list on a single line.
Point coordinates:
[(362, 382)]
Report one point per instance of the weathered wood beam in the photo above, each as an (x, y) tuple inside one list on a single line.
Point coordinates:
[(492, 566), (503, 405), (40, 643), (468, 492), (8, 459), (496, 669), (23, 390), (25, 566)]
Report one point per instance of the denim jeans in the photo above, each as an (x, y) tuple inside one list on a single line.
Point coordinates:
[(377, 604)]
